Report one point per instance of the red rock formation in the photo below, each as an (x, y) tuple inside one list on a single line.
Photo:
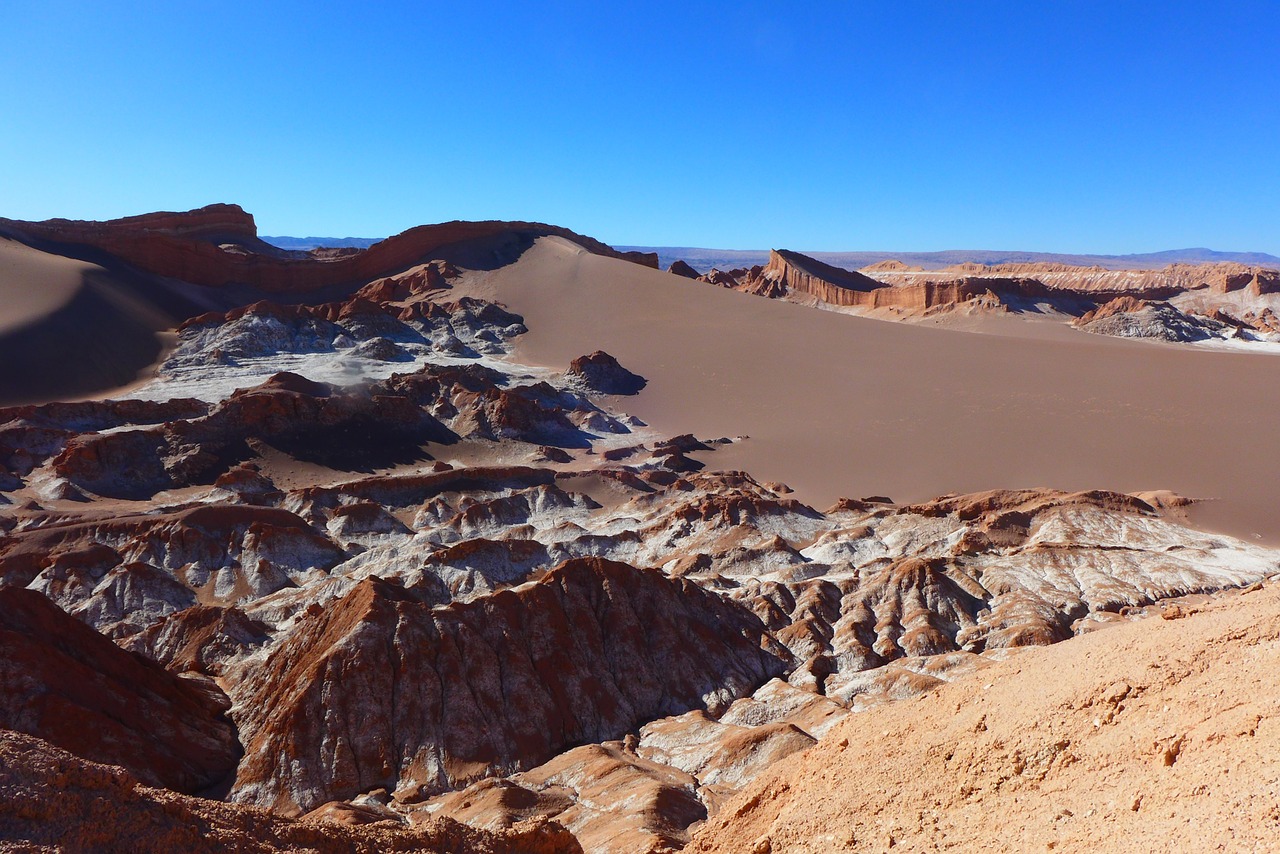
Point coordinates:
[(992, 506), (193, 544), (1131, 317), (749, 281), (64, 682), (293, 414), (586, 653), (1119, 305), (809, 275), (900, 287), (218, 245), (413, 282), (891, 265), (725, 278), (644, 259), (52, 800), (407, 490), (199, 639), (610, 798), (103, 414)]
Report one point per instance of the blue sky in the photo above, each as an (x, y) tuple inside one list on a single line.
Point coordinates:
[(1100, 127)]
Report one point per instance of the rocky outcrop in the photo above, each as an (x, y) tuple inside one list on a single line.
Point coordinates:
[(600, 372), (200, 639), (748, 281), (65, 683), (53, 800), (983, 572), (611, 799), (146, 567), (305, 419), (31, 435), (891, 265), (680, 268), (414, 282), (591, 650), (644, 259), (1130, 317), (904, 289), (811, 276)]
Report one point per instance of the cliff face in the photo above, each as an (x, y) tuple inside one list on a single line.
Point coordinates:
[(802, 273), (834, 285), (218, 245), (898, 287), (1099, 284)]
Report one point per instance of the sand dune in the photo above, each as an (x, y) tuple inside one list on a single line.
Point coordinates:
[(59, 279), (845, 406), (71, 327)]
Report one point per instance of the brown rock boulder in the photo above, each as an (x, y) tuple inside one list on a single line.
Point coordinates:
[(601, 373), (680, 268)]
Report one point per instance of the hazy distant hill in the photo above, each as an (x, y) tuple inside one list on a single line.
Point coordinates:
[(725, 259), (305, 243)]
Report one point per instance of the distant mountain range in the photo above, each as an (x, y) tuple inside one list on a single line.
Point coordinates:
[(727, 259)]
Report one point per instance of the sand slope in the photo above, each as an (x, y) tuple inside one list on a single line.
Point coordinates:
[(838, 405), (1160, 735), (71, 327)]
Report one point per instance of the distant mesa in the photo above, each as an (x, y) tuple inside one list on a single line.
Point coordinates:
[(891, 265), (704, 259), (1074, 291)]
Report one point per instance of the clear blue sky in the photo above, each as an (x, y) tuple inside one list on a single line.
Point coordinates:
[(1103, 127)]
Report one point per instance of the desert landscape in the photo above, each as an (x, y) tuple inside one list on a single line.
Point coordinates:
[(491, 537)]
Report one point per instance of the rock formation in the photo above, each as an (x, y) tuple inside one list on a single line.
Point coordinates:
[(1129, 317), (1132, 304), (680, 268), (218, 245), (600, 373), (1091, 744), (53, 800), (642, 645), (66, 683)]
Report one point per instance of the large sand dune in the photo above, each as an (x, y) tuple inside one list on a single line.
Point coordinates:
[(844, 406), (70, 327)]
